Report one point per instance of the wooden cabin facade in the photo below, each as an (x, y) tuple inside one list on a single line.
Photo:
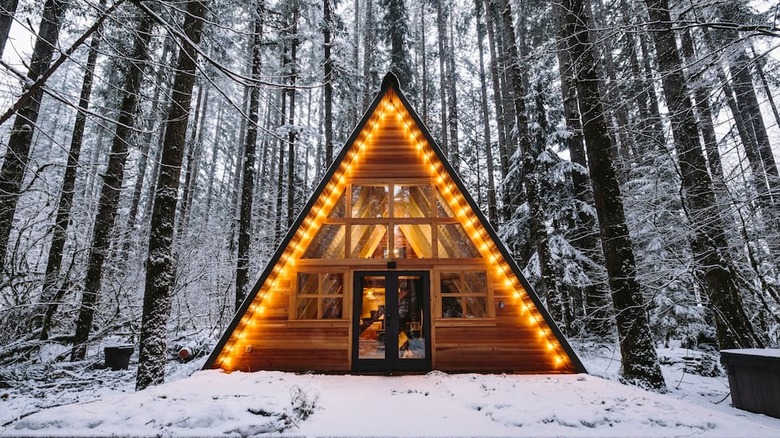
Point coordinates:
[(391, 267)]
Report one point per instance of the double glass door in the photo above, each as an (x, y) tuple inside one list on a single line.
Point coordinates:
[(391, 324)]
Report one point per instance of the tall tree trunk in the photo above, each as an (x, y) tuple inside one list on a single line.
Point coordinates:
[(452, 102), (160, 264), (638, 356), (491, 184), (424, 52), (704, 112), (586, 236), (278, 232), (194, 150), (515, 77), (619, 120), (152, 126), (52, 289), (709, 246), (442, 12), (250, 146), (747, 100), (765, 84), (7, 13), (328, 89), (746, 135), (17, 153), (213, 162), (113, 178), (292, 129), (397, 25), (369, 76), (498, 102)]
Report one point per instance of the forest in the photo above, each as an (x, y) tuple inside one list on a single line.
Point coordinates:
[(155, 152)]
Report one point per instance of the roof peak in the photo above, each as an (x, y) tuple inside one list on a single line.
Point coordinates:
[(391, 80)]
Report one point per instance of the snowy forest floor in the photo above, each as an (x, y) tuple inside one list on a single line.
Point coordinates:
[(103, 403)]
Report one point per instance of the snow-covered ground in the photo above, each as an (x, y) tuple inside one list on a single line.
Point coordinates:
[(213, 403)]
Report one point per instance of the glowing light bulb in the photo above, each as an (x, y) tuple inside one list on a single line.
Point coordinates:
[(517, 295), (550, 346), (558, 360)]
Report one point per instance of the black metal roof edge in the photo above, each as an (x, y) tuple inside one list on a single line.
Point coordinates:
[(390, 81), (578, 365)]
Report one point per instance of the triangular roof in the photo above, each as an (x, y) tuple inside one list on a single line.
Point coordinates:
[(391, 99)]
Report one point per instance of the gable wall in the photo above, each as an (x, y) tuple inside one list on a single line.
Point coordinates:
[(269, 338)]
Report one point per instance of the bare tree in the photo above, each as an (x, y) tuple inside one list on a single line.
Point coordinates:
[(53, 290), (709, 244), (113, 178), (17, 153)]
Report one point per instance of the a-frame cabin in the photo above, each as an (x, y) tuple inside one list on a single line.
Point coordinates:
[(391, 267)]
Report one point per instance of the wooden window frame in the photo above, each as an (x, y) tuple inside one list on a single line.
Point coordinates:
[(295, 296), (440, 295)]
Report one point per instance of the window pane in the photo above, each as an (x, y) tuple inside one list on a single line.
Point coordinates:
[(307, 308), (308, 284), (451, 308), (327, 244), (331, 308), (368, 242), (412, 241), (412, 201), (455, 243), (475, 307), (332, 284), (369, 201), (340, 207), (475, 282), (450, 283), (442, 208)]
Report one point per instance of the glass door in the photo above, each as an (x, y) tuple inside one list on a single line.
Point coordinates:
[(391, 323)]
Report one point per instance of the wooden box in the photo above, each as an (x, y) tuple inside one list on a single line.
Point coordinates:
[(754, 379)]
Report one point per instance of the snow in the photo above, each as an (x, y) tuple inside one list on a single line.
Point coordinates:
[(210, 403)]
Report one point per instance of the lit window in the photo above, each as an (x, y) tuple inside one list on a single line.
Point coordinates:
[(328, 243), (412, 200), (463, 294), (369, 201), (319, 295)]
